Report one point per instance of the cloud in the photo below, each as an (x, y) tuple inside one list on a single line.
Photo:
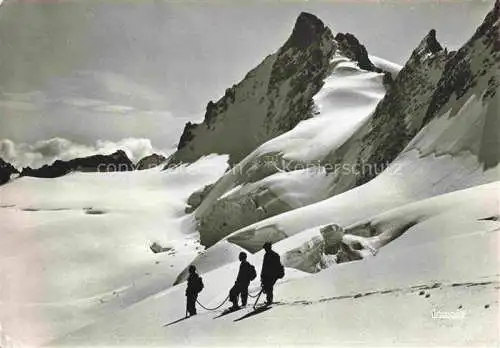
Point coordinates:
[(7, 149), (18, 105), (115, 109), (38, 101), (47, 151), (87, 87)]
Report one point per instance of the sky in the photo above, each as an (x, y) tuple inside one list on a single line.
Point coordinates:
[(131, 72)]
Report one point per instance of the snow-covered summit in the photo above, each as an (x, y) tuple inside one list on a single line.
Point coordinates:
[(272, 98)]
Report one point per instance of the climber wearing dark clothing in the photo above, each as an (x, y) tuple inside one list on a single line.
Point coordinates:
[(194, 287), (272, 270), (245, 275)]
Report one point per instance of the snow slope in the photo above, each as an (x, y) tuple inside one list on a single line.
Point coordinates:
[(439, 282), (286, 172), (386, 65), (410, 178), (77, 247), (424, 290)]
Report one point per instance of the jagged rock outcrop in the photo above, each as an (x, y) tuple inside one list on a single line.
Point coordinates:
[(6, 171), (151, 161), (353, 49), (115, 162), (270, 100)]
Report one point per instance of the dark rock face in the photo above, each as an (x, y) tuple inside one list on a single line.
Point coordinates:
[(187, 134), (150, 161), (432, 82), (432, 42), (307, 28), (463, 71), (6, 170), (116, 162), (353, 49), (270, 100), (304, 61), (473, 71), (399, 116)]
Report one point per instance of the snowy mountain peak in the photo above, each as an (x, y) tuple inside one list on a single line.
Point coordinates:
[(272, 98), (308, 28)]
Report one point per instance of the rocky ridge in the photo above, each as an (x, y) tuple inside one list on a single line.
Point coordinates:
[(115, 162), (6, 171), (151, 161)]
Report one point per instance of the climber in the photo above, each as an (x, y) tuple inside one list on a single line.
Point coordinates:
[(194, 287), (246, 274), (272, 270)]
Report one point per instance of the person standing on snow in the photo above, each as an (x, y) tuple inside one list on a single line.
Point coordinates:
[(246, 274), (194, 287), (272, 270)]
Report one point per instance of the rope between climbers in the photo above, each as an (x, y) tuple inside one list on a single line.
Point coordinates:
[(255, 295), (213, 309), (225, 300)]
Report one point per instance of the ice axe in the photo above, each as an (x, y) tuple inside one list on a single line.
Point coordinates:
[(257, 300)]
